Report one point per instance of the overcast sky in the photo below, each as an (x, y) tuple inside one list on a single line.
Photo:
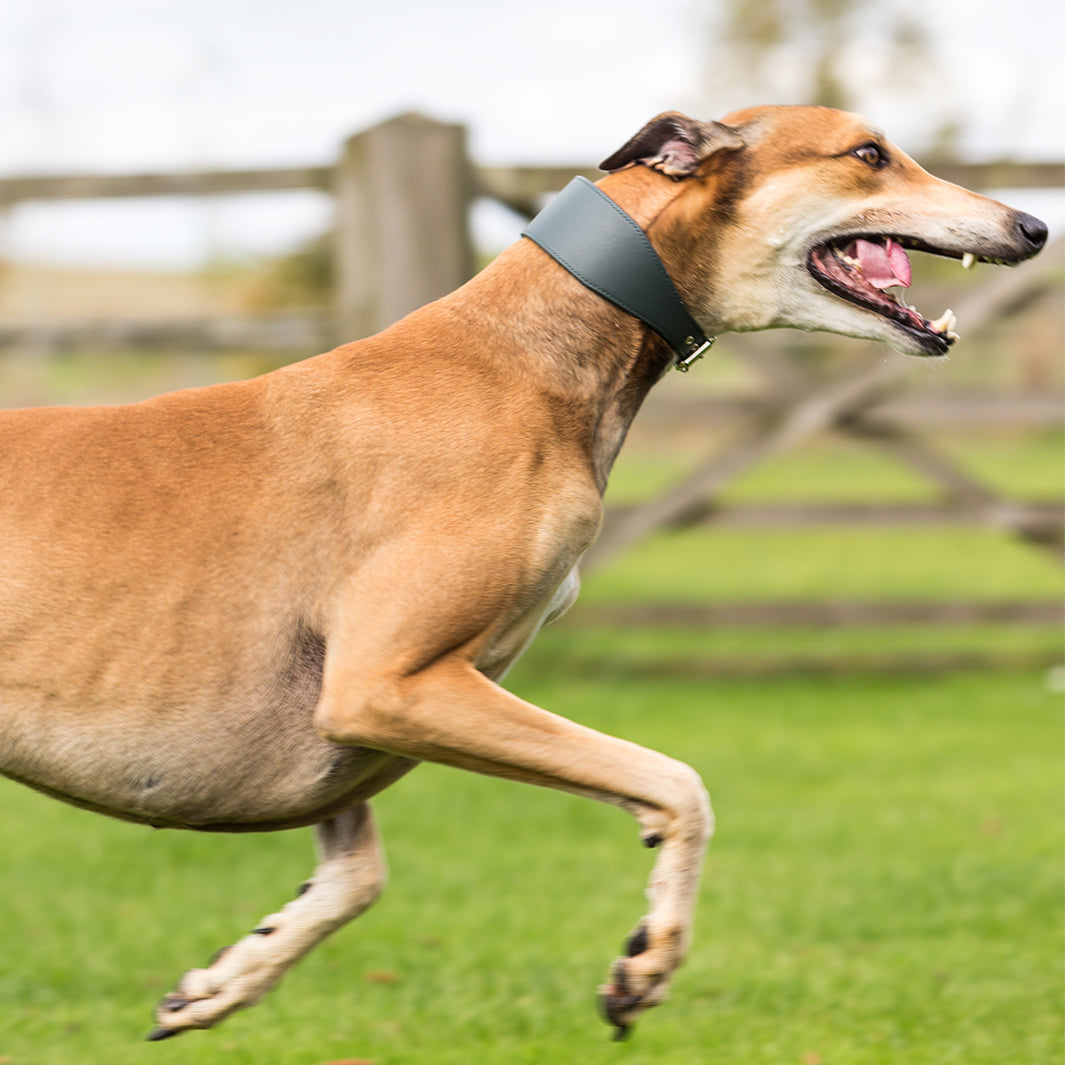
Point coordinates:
[(126, 85)]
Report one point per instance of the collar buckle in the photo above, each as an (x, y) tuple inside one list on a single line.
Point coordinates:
[(694, 349)]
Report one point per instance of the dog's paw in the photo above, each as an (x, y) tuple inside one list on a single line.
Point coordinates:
[(237, 978), (637, 982), (194, 1003)]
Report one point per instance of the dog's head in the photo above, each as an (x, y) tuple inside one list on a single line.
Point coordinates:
[(802, 217)]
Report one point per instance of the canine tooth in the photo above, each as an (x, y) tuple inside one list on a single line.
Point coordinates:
[(945, 323), (968, 260)]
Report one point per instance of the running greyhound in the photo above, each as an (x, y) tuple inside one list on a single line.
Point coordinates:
[(253, 606)]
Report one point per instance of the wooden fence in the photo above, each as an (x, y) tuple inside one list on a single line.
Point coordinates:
[(402, 193)]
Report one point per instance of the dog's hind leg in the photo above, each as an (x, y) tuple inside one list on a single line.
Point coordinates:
[(348, 878)]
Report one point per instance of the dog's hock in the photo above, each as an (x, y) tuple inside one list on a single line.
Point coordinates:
[(675, 145)]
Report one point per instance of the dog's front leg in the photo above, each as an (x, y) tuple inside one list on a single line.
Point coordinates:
[(451, 714), (348, 878)]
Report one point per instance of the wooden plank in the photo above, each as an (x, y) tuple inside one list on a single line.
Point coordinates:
[(761, 667), (789, 614), (402, 193), (961, 409), (290, 332), (1000, 174), (948, 409), (521, 187), (15, 190), (1014, 514)]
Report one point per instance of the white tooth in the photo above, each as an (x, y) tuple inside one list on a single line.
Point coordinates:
[(945, 323), (968, 260)]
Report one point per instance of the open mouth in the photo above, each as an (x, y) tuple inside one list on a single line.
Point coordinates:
[(870, 271)]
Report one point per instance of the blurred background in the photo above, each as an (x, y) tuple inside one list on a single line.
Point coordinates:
[(829, 578), (192, 190), (167, 85)]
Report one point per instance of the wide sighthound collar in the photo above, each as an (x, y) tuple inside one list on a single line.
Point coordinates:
[(585, 231)]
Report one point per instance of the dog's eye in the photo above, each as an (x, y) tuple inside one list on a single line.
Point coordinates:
[(871, 155)]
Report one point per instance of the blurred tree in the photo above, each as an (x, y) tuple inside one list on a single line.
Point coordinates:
[(300, 279), (855, 54)]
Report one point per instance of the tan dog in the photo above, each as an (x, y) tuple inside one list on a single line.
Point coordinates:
[(253, 606)]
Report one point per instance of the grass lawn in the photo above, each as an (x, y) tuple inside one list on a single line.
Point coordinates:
[(885, 887)]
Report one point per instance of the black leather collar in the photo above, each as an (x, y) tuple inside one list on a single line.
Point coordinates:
[(585, 231)]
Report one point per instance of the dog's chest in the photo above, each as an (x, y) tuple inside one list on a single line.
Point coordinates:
[(505, 649)]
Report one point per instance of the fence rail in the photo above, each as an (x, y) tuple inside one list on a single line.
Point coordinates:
[(402, 231), (15, 190), (402, 239), (949, 409), (282, 332), (520, 187), (842, 614)]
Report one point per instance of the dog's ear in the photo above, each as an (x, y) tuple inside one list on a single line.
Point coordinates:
[(674, 144)]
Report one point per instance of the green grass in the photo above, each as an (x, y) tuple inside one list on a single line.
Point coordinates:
[(842, 469), (603, 650), (710, 564), (885, 887), (966, 563)]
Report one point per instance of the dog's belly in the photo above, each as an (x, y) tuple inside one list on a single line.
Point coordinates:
[(207, 754), (204, 740), (233, 749), (218, 772)]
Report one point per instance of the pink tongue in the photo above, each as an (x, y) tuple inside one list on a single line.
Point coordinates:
[(884, 264)]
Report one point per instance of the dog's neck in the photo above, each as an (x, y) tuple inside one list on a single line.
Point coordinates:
[(562, 339), (526, 317), (608, 362)]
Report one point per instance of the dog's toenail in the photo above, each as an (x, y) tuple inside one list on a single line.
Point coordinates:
[(163, 1033), (637, 942)]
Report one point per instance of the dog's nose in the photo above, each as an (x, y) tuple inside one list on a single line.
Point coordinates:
[(1033, 230)]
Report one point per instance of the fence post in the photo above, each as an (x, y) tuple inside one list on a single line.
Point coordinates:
[(403, 191)]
